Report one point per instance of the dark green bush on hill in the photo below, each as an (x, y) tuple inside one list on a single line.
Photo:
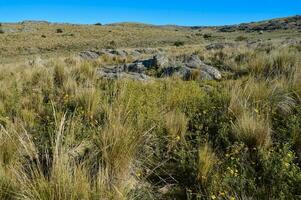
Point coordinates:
[(179, 43), (59, 30)]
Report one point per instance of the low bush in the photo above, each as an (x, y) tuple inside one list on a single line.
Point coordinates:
[(179, 43)]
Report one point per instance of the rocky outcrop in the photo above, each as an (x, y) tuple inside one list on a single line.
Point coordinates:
[(193, 62), (210, 71), (190, 68), (287, 23), (119, 73)]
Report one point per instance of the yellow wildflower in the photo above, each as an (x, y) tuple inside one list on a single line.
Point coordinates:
[(221, 193)]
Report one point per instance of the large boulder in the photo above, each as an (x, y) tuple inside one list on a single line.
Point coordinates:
[(195, 62), (160, 61), (157, 61), (187, 73), (192, 68), (137, 67), (212, 71)]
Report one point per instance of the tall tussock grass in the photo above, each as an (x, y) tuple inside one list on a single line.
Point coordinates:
[(66, 134), (253, 130)]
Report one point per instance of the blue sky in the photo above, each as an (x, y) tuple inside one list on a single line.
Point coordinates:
[(185, 12)]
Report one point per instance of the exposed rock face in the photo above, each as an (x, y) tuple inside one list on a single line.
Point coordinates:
[(207, 72), (211, 71), (119, 73), (137, 67), (193, 62), (190, 68), (160, 61), (269, 25)]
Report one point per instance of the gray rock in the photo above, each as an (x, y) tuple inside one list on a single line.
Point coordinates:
[(211, 71), (193, 62), (160, 61), (172, 69), (89, 55), (137, 67), (119, 73), (184, 73), (192, 68)]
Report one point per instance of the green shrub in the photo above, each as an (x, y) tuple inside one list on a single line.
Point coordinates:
[(240, 38), (207, 36), (179, 43), (59, 30)]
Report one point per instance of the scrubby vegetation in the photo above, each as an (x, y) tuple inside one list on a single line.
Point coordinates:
[(67, 134)]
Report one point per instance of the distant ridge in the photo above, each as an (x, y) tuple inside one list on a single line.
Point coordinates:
[(292, 22)]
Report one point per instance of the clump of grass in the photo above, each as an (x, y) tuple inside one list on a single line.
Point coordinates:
[(240, 38), (206, 162), (194, 75), (59, 75), (88, 101), (253, 130), (117, 145), (175, 125), (68, 135)]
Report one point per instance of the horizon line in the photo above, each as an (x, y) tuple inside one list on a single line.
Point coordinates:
[(142, 23)]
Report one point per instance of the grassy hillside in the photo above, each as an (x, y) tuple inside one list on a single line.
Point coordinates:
[(68, 134), (21, 40)]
